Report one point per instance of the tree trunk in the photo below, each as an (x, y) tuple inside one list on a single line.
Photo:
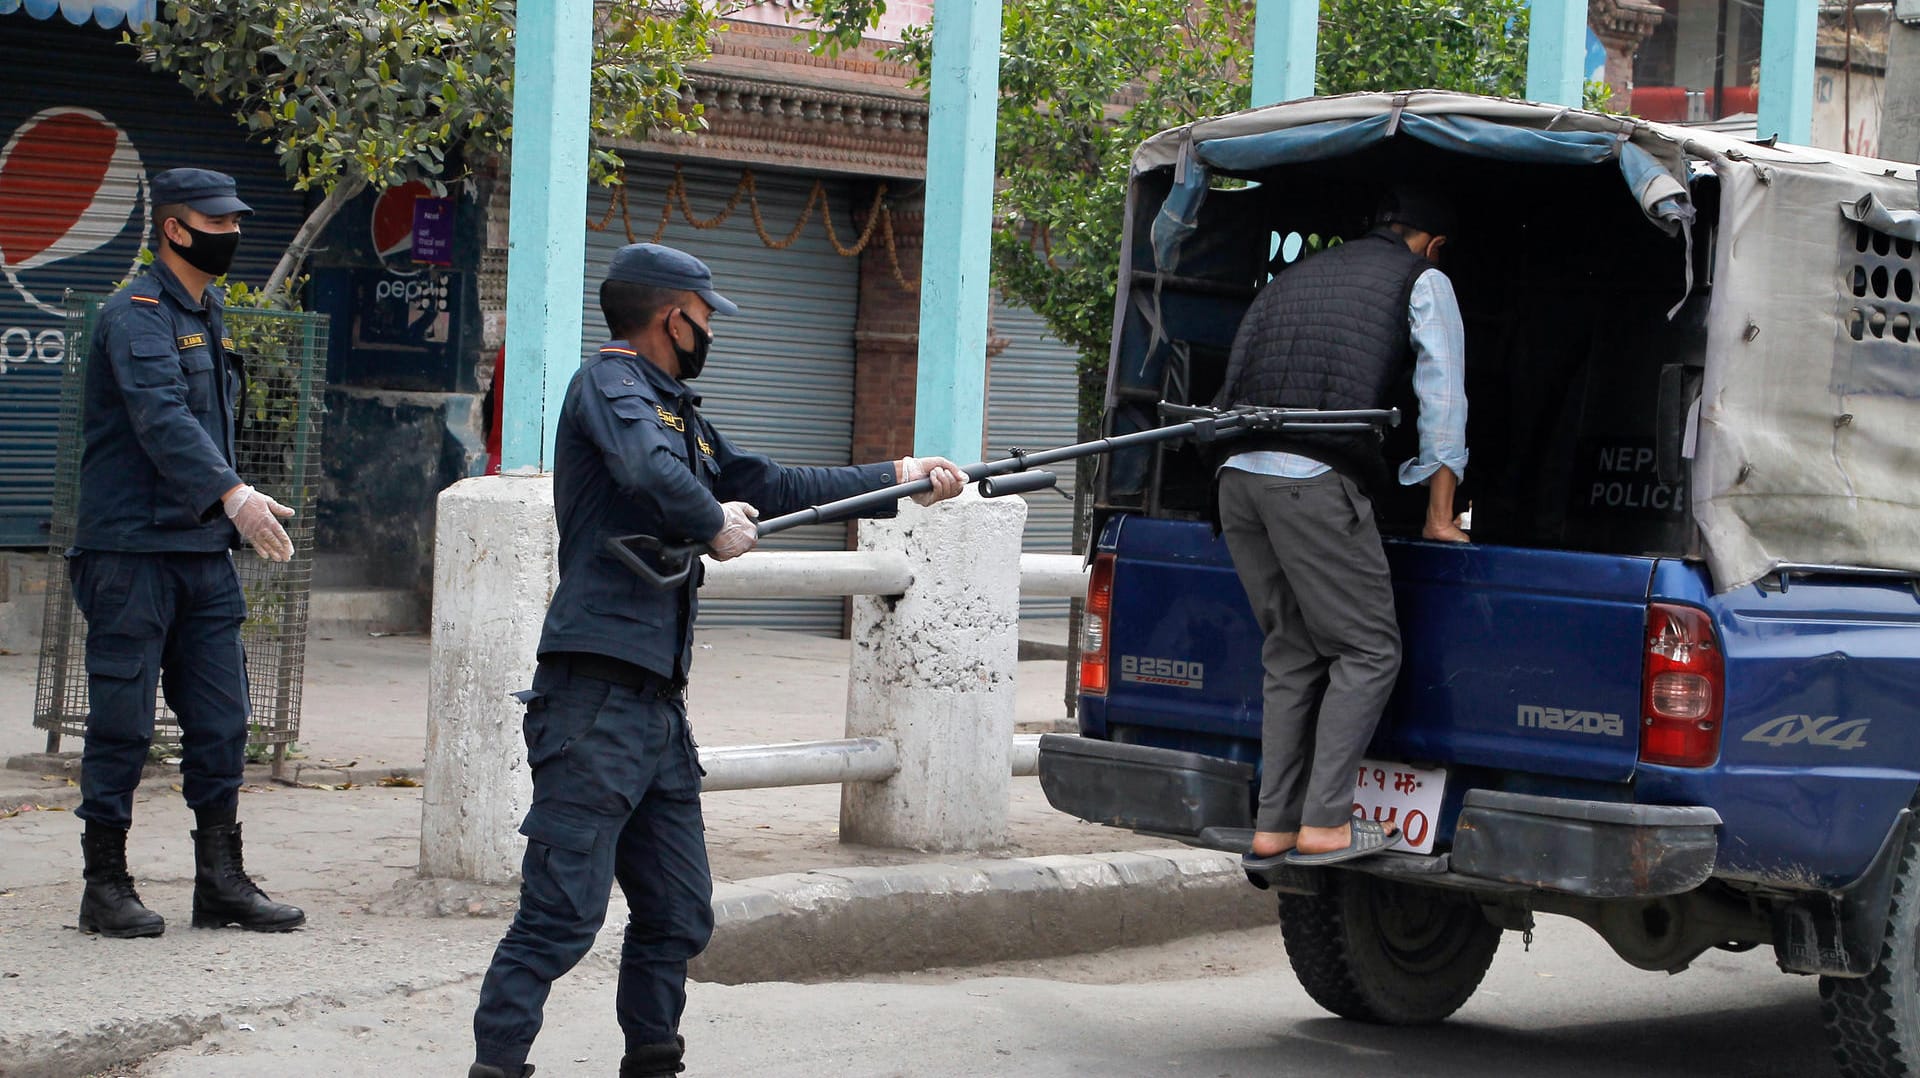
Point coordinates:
[(296, 253)]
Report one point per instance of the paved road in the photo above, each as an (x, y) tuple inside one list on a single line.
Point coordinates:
[(1210, 1006)]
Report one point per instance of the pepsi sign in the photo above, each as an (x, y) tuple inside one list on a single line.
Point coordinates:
[(73, 203)]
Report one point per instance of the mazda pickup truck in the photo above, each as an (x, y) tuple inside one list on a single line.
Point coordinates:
[(1672, 686)]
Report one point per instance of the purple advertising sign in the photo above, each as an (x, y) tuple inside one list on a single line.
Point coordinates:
[(433, 231)]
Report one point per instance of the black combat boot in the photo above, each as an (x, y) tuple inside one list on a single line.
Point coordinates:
[(482, 1070), (654, 1060), (223, 893), (110, 906)]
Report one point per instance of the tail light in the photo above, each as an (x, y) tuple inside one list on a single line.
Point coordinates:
[(1096, 625), (1685, 688)]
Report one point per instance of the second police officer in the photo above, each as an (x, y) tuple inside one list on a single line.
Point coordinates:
[(161, 509), (616, 776)]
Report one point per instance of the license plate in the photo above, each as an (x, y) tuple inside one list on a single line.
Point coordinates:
[(1390, 792)]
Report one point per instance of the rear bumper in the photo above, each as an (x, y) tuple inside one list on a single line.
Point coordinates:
[(1593, 849), (1169, 792), (1503, 842)]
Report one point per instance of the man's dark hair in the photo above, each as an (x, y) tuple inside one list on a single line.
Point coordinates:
[(628, 307), (1417, 208), (174, 210)]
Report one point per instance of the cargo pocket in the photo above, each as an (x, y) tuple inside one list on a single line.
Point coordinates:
[(121, 699), (109, 665), (558, 876)]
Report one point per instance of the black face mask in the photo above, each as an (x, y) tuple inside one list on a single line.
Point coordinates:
[(212, 252), (692, 360)]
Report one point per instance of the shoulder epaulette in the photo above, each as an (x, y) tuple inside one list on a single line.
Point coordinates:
[(144, 289)]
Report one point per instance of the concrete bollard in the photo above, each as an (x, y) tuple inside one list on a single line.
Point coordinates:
[(933, 673), (495, 565)]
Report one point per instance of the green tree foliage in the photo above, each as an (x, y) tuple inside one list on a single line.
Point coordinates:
[(1085, 81), (379, 92), (1478, 47)]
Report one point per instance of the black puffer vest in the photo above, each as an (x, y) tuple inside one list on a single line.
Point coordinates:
[(1331, 333)]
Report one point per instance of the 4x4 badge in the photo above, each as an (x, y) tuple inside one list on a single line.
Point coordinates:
[(1826, 730)]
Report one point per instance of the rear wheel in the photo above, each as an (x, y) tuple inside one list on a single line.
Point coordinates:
[(1873, 1022), (1378, 951)]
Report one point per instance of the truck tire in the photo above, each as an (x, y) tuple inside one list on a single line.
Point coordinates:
[(1378, 951), (1873, 1022)]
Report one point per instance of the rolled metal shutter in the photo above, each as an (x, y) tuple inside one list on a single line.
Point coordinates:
[(84, 127), (1031, 401), (780, 381)]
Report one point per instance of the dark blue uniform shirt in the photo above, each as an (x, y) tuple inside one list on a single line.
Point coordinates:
[(633, 456), (158, 422)]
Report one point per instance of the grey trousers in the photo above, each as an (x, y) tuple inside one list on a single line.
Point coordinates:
[(1308, 553)]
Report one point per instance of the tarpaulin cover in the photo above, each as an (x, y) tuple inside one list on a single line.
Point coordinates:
[(1807, 445)]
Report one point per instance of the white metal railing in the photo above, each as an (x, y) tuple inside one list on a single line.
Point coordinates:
[(792, 574), (824, 763)]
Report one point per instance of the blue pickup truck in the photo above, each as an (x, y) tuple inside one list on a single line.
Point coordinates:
[(1672, 689)]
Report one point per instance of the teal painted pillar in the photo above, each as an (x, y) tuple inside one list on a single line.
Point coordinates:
[(1557, 51), (1286, 42), (547, 233), (949, 414), (1786, 70)]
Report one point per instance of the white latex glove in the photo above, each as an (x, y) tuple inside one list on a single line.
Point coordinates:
[(737, 534), (258, 516), (948, 479)]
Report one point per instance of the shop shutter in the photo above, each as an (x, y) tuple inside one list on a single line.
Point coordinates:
[(84, 126), (780, 380), (1030, 405)]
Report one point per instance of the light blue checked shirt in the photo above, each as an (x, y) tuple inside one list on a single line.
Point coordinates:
[(1439, 381)]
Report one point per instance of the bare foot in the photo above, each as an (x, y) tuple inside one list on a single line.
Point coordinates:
[(1269, 843), (1324, 839)]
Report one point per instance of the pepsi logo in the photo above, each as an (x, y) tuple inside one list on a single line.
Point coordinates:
[(71, 186), (392, 224)]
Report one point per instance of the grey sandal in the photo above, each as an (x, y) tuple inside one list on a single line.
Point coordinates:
[(1368, 838)]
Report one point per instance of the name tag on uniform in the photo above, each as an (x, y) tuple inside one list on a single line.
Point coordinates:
[(670, 419), (227, 343), (193, 340)]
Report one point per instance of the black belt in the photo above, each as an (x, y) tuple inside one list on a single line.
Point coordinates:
[(617, 672)]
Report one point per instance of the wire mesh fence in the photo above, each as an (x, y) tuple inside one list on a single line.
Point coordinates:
[(277, 449)]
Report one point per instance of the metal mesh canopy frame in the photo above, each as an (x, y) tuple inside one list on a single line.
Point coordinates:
[(277, 449)]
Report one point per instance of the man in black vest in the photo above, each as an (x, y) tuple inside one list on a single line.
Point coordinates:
[(1335, 331)]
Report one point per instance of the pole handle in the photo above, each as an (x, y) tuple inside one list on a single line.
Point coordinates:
[(660, 564)]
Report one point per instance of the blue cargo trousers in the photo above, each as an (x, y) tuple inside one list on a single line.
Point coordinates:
[(161, 620), (616, 797)]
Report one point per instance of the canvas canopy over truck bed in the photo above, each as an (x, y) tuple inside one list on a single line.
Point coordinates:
[(1805, 436)]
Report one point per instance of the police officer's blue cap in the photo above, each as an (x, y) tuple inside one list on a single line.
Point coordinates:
[(212, 193), (664, 267)]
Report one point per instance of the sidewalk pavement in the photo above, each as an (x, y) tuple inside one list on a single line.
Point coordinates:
[(791, 901)]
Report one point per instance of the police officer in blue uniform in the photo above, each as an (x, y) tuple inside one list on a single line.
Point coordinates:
[(616, 776), (161, 509)]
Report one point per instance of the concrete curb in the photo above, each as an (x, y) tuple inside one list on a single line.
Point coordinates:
[(851, 921), (830, 923)]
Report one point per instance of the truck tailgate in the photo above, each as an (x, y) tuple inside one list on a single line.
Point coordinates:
[(1516, 659), (1525, 660)]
